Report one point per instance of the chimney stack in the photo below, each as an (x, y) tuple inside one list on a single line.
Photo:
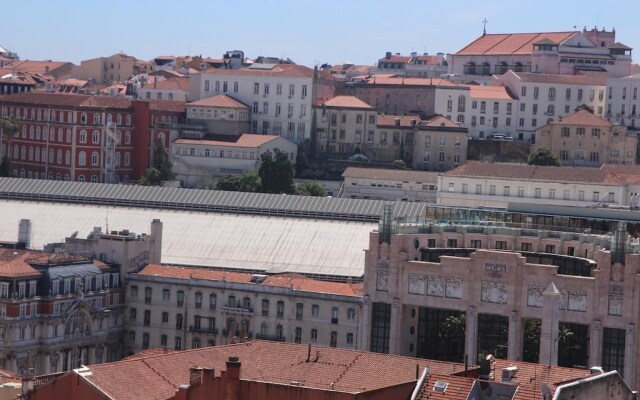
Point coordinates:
[(232, 379)]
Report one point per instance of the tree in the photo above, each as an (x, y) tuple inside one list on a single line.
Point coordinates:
[(309, 188), (160, 169), (453, 327), (228, 182), (276, 172), (531, 340), (399, 164), (250, 182), (9, 128), (543, 156)]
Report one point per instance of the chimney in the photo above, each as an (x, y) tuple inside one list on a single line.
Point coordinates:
[(24, 232), (388, 55), (156, 240), (309, 352), (232, 379)]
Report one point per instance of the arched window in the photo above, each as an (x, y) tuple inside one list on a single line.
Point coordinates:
[(50, 176), (68, 135), (117, 159), (82, 158), (460, 119), (552, 94), (83, 136), (94, 179), (126, 179), (94, 158), (462, 101), (30, 153), (23, 153), (37, 154), (52, 134), (81, 178), (128, 120), (32, 131), (66, 177), (119, 135), (15, 152), (59, 157), (67, 157), (119, 119), (23, 173), (127, 159), (127, 137), (24, 131), (96, 137), (96, 119), (39, 133), (60, 137), (51, 156), (109, 118), (161, 137), (550, 109), (58, 176)]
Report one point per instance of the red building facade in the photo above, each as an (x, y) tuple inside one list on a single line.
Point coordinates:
[(82, 138)]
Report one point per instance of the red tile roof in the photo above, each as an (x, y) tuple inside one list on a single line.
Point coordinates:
[(458, 387), (490, 92), (511, 43), (404, 120), (178, 83), (40, 67), (285, 70), (582, 117), (595, 80), (244, 140), (154, 351), (66, 100), (347, 102), (296, 282), (534, 173), (338, 369), (392, 79), (13, 264), (396, 59), (221, 100), (391, 174), (167, 105)]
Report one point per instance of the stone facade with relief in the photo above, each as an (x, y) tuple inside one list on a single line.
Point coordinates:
[(484, 283)]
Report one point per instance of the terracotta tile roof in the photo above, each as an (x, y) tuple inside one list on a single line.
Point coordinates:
[(596, 80), (399, 175), (247, 140), (285, 70), (221, 100), (430, 60), (439, 121), (392, 79), (635, 69), (458, 387), (517, 171), (531, 376), (296, 282), (177, 83), (39, 67), (582, 117), (625, 174), (8, 376), (167, 105), (511, 43), (67, 100), (396, 59), (347, 102), (153, 351), (349, 371), (618, 45), (490, 92), (13, 264)]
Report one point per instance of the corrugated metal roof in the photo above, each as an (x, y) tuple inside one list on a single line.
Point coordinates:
[(203, 200)]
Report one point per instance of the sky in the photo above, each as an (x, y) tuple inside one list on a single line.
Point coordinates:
[(308, 32)]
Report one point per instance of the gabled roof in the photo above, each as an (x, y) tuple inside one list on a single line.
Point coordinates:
[(393, 79), (67, 100), (516, 171), (284, 70), (341, 370), (292, 281), (221, 100), (490, 92), (511, 43), (347, 102), (13, 264), (402, 120), (595, 80), (247, 140), (582, 117), (391, 174), (177, 83)]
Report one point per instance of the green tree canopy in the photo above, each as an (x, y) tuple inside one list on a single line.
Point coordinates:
[(309, 188), (160, 169), (276, 172), (247, 182), (9, 128), (543, 156), (228, 182)]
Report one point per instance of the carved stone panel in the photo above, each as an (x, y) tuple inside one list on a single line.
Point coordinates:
[(382, 282), (615, 304), (494, 292), (577, 300), (417, 284), (563, 299), (534, 296), (454, 288), (435, 286)]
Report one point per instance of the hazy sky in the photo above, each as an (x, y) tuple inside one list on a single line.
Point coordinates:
[(308, 32)]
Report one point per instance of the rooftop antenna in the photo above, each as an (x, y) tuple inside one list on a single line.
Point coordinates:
[(484, 26)]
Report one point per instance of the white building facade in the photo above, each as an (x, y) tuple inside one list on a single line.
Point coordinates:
[(623, 103)]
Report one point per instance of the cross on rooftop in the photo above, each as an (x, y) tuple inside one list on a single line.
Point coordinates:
[(484, 26)]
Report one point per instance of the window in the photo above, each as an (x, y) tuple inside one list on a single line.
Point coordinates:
[(552, 94), (492, 190), (613, 349), (596, 196), (213, 298), (314, 335), (351, 314), (334, 315), (82, 158), (166, 295), (292, 90), (147, 295), (180, 298), (265, 307), (83, 136), (535, 92), (564, 155), (483, 107), (147, 317), (537, 193), (478, 189), (299, 311), (95, 137), (550, 248), (595, 132), (280, 309), (315, 310), (132, 314), (178, 321), (298, 336), (163, 340), (165, 317), (178, 343), (334, 339), (594, 156), (465, 188)]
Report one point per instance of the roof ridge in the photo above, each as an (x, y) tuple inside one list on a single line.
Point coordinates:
[(156, 372)]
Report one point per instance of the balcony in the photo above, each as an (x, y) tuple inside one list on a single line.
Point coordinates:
[(274, 338), (237, 310), (200, 329)]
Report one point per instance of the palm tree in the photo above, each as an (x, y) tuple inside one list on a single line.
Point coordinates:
[(9, 128)]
